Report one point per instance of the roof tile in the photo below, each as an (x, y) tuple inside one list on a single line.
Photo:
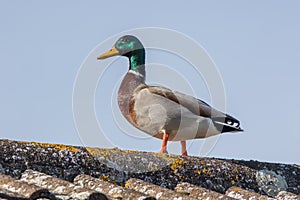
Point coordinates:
[(154, 190), (199, 192), (239, 193), (283, 195), (61, 188), (11, 188), (52, 168), (110, 189)]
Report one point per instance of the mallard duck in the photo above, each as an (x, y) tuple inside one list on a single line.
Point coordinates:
[(161, 112)]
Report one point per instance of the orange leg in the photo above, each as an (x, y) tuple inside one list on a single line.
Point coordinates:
[(163, 148), (183, 148)]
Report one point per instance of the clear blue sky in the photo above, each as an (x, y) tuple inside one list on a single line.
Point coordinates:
[(255, 46)]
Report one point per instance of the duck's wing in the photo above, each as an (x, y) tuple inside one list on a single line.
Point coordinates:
[(223, 122)]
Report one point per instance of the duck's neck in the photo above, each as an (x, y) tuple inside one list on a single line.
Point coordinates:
[(137, 63)]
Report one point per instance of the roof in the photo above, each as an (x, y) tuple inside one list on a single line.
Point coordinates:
[(31, 170)]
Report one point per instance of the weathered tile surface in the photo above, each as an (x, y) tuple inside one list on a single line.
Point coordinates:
[(239, 193), (102, 174), (61, 188), (154, 190), (199, 193), (12, 188), (110, 189)]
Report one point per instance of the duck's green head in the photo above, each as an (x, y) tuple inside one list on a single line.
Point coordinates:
[(132, 48), (127, 45)]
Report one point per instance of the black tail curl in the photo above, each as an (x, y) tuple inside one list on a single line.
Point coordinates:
[(226, 124)]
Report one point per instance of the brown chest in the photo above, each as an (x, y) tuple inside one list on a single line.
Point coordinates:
[(126, 92)]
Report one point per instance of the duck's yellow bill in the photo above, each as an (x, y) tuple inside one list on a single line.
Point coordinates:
[(112, 52)]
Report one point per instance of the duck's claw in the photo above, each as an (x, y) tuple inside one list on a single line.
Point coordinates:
[(163, 151)]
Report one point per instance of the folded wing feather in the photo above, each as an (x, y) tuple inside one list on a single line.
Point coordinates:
[(223, 122)]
